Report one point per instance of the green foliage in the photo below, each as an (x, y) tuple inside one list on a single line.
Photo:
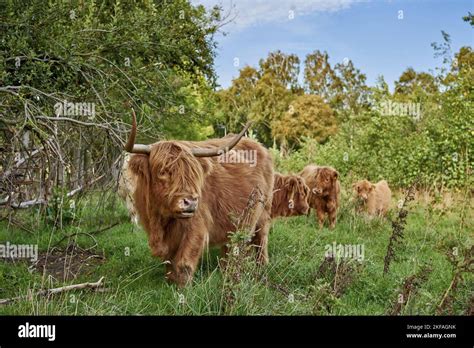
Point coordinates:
[(262, 95), (399, 149), (283, 67), (432, 143), (61, 209), (159, 54), (320, 77), (308, 116), (412, 82), (469, 18), (266, 95), (423, 130), (352, 92)]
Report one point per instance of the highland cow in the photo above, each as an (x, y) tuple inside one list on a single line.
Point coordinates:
[(325, 188), (290, 196), (374, 198), (186, 198)]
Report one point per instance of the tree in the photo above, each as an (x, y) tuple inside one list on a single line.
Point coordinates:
[(308, 116), (156, 56), (284, 68), (320, 78), (462, 66), (109, 53), (351, 94), (469, 18), (380, 91), (261, 95), (235, 103), (412, 82)]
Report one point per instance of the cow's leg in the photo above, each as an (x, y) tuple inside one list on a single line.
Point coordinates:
[(332, 214), (170, 275), (155, 241), (332, 218), (156, 235), (187, 257), (260, 239), (320, 214)]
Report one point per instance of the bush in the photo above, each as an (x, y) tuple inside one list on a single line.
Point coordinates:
[(398, 148)]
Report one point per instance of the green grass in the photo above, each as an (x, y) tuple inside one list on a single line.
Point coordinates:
[(137, 287)]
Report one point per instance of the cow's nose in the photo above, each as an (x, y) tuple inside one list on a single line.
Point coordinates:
[(190, 204)]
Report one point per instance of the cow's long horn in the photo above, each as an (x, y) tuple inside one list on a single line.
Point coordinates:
[(130, 146), (200, 152)]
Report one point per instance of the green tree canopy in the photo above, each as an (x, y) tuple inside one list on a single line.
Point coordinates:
[(320, 77), (307, 116), (411, 82)]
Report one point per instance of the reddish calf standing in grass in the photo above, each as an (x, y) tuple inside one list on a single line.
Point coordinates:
[(325, 188)]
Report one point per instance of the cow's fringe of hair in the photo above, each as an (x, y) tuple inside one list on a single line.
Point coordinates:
[(182, 166), (311, 180), (285, 188)]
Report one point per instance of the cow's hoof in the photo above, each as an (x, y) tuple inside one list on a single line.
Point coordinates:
[(183, 276)]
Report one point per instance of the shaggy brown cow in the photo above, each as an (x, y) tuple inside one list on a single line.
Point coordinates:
[(375, 198), (186, 197), (290, 196), (325, 188), (126, 187)]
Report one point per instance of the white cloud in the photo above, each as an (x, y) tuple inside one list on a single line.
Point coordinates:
[(248, 13)]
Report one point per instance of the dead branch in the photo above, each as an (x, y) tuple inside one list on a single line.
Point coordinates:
[(82, 123), (27, 204), (90, 234), (49, 292)]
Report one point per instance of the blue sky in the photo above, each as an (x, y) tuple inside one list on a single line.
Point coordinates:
[(369, 32)]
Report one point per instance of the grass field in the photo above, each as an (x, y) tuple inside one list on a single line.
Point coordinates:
[(298, 280)]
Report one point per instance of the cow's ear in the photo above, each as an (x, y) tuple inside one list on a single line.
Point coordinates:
[(335, 175), (372, 187)]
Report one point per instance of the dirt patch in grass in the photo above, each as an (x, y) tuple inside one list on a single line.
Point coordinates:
[(69, 263)]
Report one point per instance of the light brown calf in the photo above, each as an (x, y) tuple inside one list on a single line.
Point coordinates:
[(375, 198)]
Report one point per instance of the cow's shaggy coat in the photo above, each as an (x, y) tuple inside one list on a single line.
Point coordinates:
[(126, 187), (290, 196), (374, 198), (325, 190), (170, 174)]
